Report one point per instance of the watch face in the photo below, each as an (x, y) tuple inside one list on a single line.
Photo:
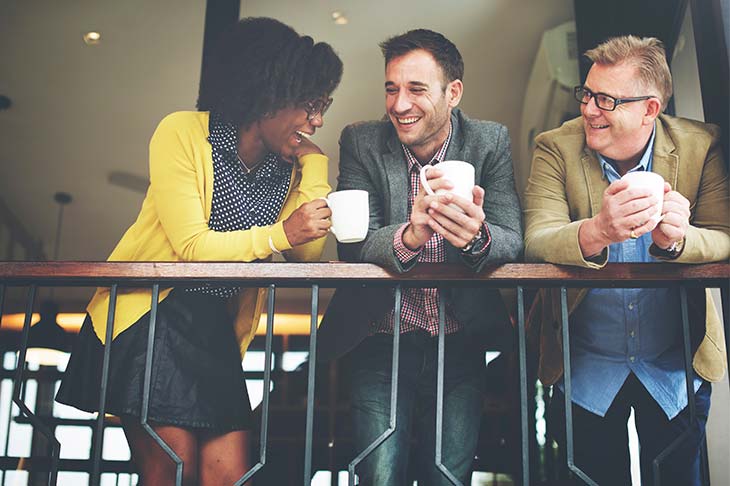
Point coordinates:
[(475, 242), (675, 248)]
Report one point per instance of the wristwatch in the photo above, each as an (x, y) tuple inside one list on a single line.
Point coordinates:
[(477, 237), (675, 248), (671, 252)]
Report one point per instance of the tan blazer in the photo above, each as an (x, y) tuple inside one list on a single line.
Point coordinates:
[(566, 186)]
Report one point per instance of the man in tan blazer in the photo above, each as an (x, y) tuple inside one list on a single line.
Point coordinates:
[(626, 344)]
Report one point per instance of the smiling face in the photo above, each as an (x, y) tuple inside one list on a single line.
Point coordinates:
[(282, 133), (416, 102), (623, 133)]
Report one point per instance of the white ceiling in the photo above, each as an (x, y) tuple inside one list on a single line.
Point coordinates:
[(80, 112)]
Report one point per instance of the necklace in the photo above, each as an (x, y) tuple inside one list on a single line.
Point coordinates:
[(246, 169)]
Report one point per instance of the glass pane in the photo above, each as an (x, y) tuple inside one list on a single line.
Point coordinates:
[(73, 478), (255, 360), (75, 441), (115, 445), (20, 439), (6, 396), (256, 391), (16, 478), (291, 360)]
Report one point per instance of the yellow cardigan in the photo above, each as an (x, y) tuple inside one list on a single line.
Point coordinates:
[(172, 225)]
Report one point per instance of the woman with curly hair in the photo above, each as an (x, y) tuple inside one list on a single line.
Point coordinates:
[(237, 180)]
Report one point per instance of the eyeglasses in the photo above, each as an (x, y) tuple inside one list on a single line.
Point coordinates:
[(317, 107), (603, 101)]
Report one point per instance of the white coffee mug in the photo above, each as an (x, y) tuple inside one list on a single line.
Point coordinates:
[(459, 173), (655, 183), (350, 215)]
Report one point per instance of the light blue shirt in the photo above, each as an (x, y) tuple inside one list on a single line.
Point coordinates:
[(614, 332)]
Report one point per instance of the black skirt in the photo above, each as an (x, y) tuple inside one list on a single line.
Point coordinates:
[(197, 380)]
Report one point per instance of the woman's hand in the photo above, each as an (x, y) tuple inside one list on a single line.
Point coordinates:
[(306, 147), (308, 222)]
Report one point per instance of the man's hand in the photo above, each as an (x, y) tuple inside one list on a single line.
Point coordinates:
[(419, 230), (457, 227), (625, 212), (673, 226), (309, 222)]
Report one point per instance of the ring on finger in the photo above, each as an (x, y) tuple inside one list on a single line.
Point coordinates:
[(633, 235)]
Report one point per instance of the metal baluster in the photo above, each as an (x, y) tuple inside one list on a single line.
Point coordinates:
[(440, 391), (568, 390), (689, 381), (725, 295), (10, 406), (393, 392), (267, 387), (144, 413), (98, 439), (18, 388), (310, 386), (523, 386)]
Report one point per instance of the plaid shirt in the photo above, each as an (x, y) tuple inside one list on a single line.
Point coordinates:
[(420, 307)]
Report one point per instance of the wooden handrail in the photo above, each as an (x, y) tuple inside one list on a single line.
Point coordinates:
[(335, 274)]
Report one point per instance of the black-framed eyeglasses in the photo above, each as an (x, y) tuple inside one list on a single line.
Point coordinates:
[(603, 101), (317, 107)]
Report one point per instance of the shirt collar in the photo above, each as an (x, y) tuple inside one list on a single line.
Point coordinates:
[(645, 163), (437, 157), (224, 140), (223, 135)]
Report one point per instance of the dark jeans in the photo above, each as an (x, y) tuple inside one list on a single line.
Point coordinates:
[(601, 443), (370, 385)]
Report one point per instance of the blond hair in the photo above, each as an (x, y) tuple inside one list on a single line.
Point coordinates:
[(648, 56)]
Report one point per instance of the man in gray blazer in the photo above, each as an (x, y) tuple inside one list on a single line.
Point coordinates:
[(408, 227)]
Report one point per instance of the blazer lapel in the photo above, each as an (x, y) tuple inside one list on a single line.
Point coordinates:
[(594, 178), (665, 161), (397, 182), (456, 145)]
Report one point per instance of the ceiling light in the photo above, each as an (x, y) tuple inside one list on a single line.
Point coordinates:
[(339, 18), (92, 38)]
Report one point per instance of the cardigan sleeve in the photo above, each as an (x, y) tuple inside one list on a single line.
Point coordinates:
[(310, 185), (178, 187)]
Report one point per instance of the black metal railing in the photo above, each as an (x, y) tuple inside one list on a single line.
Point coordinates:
[(316, 275)]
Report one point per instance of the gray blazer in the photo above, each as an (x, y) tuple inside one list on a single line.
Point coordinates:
[(372, 159)]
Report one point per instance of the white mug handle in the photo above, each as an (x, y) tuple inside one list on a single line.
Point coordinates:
[(329, 205), (424, 181)]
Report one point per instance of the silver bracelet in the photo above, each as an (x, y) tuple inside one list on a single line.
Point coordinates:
[(273, 247)]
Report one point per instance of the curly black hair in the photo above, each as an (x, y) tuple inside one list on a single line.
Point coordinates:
[(260, 66), (442, 49)]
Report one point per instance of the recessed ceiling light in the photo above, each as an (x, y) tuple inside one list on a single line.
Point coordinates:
[(92, 38), (339, 18)]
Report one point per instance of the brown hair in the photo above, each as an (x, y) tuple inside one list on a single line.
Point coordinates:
[(442, 49), (647, 54)]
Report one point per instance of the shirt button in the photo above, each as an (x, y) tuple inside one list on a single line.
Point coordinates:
[(632, 358), (632, 333), (631, 306)]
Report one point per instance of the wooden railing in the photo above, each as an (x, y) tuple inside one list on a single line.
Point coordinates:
[(335, 274)]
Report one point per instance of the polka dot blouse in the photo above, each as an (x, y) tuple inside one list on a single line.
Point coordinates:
[(242, 198)]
